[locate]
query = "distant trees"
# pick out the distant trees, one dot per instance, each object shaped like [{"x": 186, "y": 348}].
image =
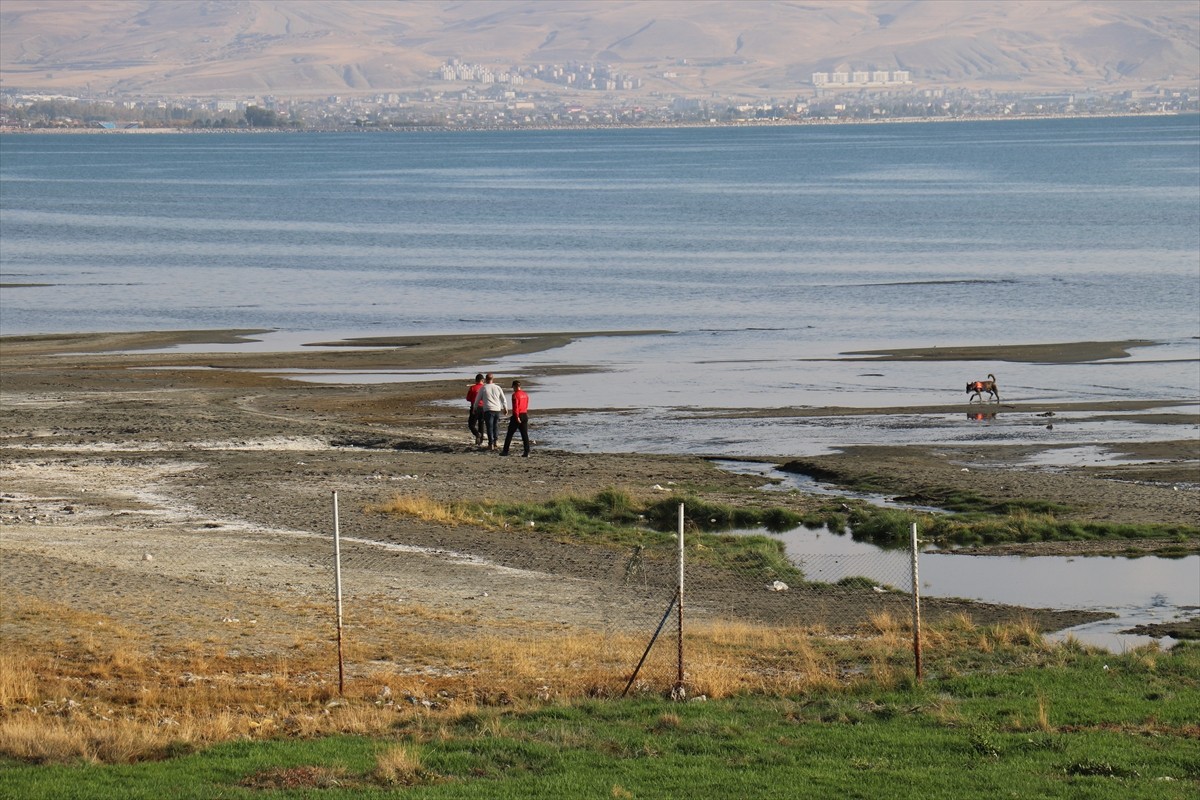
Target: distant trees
[
  {"x": 261, "y": 117},
  {"x": 220, "y": 122},
  {"x": 50, "y": 110},
  {"x": 66, "y": 113}
]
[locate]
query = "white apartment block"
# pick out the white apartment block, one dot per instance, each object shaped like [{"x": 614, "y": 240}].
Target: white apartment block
[{"x": 862, "y": 78}]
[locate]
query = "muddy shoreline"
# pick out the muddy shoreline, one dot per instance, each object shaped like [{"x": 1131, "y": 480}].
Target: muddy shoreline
[{"x": 105, "y": 443}]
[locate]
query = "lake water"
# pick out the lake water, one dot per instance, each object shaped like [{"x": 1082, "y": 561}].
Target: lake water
[
  {"x": 784, "y": 240},
  {"x": 765, "y": 254}
]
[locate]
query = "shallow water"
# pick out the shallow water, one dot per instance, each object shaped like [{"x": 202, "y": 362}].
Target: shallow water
[
  {"x": 1136, "y": 591},
  {"x": 642, "y": 394},
  {"x": 640, "y": 402}
]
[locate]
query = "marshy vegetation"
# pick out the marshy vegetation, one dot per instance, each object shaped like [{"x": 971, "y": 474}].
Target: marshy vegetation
[{"x": 615, "y": 518}]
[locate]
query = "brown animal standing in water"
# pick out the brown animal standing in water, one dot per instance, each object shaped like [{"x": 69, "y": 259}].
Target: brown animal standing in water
[{"x": 977, "y": 388}]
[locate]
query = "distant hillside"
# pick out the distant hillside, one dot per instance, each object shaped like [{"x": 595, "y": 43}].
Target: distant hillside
[{"x": 745, "y": 48}]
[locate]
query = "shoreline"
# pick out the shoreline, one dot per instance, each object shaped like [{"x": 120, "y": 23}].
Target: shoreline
[
  {"x": 770, "y": 123},
  {"x": 114, "y": 363},
  {"x": 102, "y": 449},
  {"x": 149, "y": 350}
]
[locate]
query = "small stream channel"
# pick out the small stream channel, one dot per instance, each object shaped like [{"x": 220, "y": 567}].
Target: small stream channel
[{"x": 1137, "y": 590}]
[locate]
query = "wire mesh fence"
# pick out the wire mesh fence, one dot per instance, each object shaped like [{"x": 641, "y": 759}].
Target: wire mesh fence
[
  {"x": 744, "y": 617},
  {"x": 668, "y": 594}
]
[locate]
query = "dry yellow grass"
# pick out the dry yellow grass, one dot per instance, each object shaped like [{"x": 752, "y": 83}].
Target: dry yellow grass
[
  {"x": 76, "y": 686},
  {"x": 1043, "y": 716},
  {"x": 425, "y": 508},
  {"x": 399, "y": 765},
  {"x": 18, "y": 681},
  {"x": 1024, "y": 633}
]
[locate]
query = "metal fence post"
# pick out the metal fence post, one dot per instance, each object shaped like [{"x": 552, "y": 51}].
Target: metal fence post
[
  {"x": 337, "y": 588},
  {"x": 678, "y": 692},
  {"x": 916, "y": 606}
]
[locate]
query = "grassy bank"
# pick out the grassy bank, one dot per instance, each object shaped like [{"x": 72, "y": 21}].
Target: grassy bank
[
  {"x": 975, "y": 518},
  {"x": 1015, "y": 523},
  {"x": 999, "y": 713},
  {"x": 614, "y": 518}
]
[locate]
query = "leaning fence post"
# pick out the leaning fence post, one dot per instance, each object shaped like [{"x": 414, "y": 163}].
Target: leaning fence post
[
  {"x": 678, "y": 691},
  {"x": 337, "y": 588},
  {"x": 653, "y": 639},
  {"x": 916, "y": 606}
]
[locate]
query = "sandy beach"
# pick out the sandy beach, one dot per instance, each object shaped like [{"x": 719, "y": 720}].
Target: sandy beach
[{"x": 188, "y": 488}]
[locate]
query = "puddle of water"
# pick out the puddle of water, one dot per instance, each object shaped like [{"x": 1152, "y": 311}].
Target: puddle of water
[
  {"x": 341, "y": 376},
  {"x": 781, "y": 481},
  {"x": 362, "y": 377},
  {"x": 1079, "y": 456},
  {"x": 277, "y": 341},
  {"x": 682, "y": 430},
  {"x": 1138, "y": 591}
]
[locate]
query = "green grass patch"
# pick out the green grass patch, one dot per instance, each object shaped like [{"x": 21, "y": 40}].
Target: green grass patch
[
  {"x": 891, "y": 528},
  {"x": 613, "y": 508},
  {"x": 1040, "y": 722},
  {"x": 613, "y": 518},
  {"x": 967, "y": 502}
]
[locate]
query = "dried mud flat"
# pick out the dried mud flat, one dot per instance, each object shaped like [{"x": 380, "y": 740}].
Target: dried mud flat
[{"x": 191, "y": 494}]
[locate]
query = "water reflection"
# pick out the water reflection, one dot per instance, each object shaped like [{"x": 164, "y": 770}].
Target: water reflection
[
  {"x": 981, "y": 416},
  {"x": 1138, "y": 591}
]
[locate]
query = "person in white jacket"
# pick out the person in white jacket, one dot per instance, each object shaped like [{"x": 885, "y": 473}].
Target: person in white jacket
[{"x": 491, "y": 403}]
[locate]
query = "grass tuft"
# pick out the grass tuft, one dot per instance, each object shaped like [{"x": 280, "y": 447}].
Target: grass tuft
[
  {"x": 400, "y": 765},
  {"x": 426, "y": 509}
]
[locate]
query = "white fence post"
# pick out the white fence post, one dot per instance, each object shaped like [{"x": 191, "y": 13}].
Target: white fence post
[
  {"x": 916, "y": 606},
  {"x": 679, "y": 693},
  {"x": 337, "y": 588}
]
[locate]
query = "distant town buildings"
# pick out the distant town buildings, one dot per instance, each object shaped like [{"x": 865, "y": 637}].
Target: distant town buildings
[
  {"x": 492, "y": 104},
  {"x": 898, "y": 77},
  {"x": 598, "y": 77},
  {"x": 477, "y": 73}
]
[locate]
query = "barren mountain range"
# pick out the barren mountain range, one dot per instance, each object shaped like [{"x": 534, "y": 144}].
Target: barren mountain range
[{"x": 735, "y": 48}]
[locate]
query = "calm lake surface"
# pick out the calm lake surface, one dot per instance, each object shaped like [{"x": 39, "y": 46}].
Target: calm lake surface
[
  {"x": 765, "y": 254},
  {"x": 817, "y": 239}
]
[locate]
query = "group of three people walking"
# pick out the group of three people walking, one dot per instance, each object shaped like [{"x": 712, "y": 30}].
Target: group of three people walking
[{"x": 488, "y": 404}]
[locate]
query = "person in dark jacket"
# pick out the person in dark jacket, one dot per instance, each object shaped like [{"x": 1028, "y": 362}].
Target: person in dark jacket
[
  {"x": 474, "y": 417},
  {"x": 519, "y": 421}
]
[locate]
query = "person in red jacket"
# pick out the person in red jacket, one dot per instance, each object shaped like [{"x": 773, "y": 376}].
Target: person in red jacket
[
  {"x": 519, "y": 421},
  {"x": 474, "y": 418}
]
